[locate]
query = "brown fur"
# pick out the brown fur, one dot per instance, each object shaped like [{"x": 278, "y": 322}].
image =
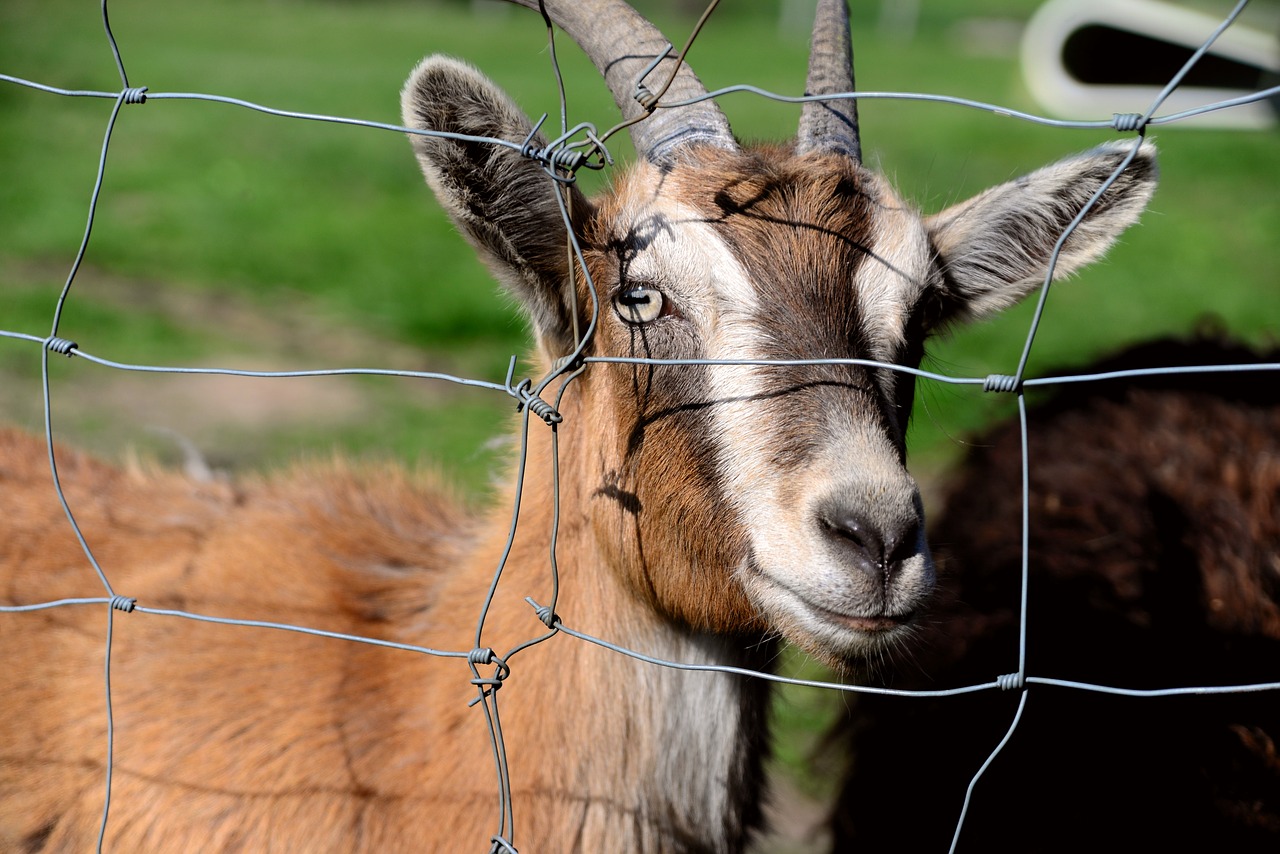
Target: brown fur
[{"x": 285, "y": 737}]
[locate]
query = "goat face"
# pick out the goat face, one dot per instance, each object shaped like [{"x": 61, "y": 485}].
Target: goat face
[
  {"x": 791, "y": 479},
  {"x": 750, "y": 498}
]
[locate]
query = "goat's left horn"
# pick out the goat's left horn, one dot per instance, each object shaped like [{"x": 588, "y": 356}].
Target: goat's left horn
[
  {"x": 621, "y": 44},
  {"x": 830, "y": 125}
]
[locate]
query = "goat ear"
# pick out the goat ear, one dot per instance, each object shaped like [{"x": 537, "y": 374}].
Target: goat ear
[
  {"x": 502, "y": 201},
  {"x": 995, "y": 248}
]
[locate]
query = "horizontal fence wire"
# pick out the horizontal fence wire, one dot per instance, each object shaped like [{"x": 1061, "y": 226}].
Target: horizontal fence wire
[{"x": 573, "y": 149}]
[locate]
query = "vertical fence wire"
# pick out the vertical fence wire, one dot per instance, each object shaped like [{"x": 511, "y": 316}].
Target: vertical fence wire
[{"x": 561, "y": 159}]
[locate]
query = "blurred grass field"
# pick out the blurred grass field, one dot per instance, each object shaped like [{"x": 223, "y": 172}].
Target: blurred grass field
[
  {"x": 328, "y": 233},
  {"x": 230, "y": 238}
]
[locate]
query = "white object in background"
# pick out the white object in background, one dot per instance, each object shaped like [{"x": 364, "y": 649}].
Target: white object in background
[{"x": 1137, "y": 26}]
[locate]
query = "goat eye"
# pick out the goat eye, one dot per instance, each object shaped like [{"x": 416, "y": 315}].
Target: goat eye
[{"x": 639, "y": 305}]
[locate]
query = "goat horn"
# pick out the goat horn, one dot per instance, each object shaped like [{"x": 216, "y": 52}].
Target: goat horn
[
  {"x": 622, "y": 44},
  {"x": 830, "y": 125}
]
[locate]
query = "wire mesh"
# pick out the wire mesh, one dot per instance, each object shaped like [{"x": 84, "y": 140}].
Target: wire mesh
[{"x": 577, "y": 146}]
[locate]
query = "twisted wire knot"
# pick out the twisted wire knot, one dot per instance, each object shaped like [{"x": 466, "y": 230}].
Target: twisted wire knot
[
  {"x": 1127, "y": 122},
  {"x": 1001, "y": 382},
  {"x": 644, "y": 97},
  {"x": 498, "y": 844},
  {"x": 568, "y": 363},
  {"x": 124, "y": 603},
  {"x": 135, "y": 95},
  {"x": 487, "y": 684},
  {"x": 61, "y": 346},
  {"x": 555, "y": 157},
  {"x": 524, "y": 396},
  {"x": 1010, "y": 681},
  {"x": 545, "y": 411},
  {"x": 560, "y": 159},
  {"x": 548, "y": 617}
]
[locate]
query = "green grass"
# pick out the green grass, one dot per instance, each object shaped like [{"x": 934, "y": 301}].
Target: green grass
[
  {"x": 225, "y": 235},
  {"x": 335, "y": 222}
]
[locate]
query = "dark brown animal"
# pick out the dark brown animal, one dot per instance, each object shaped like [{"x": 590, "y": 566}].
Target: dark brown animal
[
  {"x": 1154, "y": 563},
  {"x": 706, "y": 510}
]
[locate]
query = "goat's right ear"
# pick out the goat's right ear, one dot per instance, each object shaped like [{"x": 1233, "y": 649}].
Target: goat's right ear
[
  {"x": 502, "y": 201},
  {"x": 995, "y": 248}
]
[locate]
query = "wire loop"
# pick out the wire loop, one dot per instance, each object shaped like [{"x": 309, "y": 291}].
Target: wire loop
[
  {"x": 561, "y": 158},
  {"x": 501, "y": 846},
  {"x": 525, "y": 396},
  {"x": 487, "y": 684},
  {"x": 1128, "y": 122},
  {"x": 1001, "y": 383},
  {"x": 1011, "y": 681},
  {"x": 548, "y": 617},
  {"x": 644, "y": 95},
  {"x": 61, "y": 346}
]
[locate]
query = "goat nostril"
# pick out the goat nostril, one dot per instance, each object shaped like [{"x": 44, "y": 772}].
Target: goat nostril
[
  {"x": 858, "y": 533},
  {"x": 904, "y": 545},
  {"x": 879, "y": 548}
]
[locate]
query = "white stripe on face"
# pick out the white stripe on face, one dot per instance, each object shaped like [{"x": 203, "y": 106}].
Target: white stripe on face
[
  {"x": 725, "y": 304},
  {"x": 893, "y": 276}
]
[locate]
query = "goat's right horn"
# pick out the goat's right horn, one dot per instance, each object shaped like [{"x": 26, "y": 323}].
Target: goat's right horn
[
  {"x": 622, "y": 44},
  {"x": 830, "y": 125}
]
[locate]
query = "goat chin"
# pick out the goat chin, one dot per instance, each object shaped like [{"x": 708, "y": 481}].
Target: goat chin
[{"x": 844, "y": 633}]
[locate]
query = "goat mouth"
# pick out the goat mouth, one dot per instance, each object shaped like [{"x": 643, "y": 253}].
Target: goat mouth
[
  {"x": 869, "y": 625},
  {"x": 877, "y": 625}
]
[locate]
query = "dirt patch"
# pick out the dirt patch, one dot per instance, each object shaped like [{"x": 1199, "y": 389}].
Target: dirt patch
[
  {"x": 230, "y": 418},
  {"x": 190, "y": 404}
]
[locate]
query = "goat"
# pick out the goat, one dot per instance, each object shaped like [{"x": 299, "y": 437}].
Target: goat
[
  {"x": 706, "y": 510},
  {"x": 1154, "y": 563}
]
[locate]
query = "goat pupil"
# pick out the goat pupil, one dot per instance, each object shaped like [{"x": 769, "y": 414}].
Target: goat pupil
[
  {"x": 639, "y": 305},
  {"x": 635, "y": 298}
]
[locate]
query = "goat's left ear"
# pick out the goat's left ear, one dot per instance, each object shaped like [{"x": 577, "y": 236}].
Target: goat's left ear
[
  {"x": 502, "y": 201},
  {"x": 995, "y": 248}
]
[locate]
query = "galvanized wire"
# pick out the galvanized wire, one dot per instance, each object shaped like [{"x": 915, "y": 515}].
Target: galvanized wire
[{"x": 561, "y": 158}]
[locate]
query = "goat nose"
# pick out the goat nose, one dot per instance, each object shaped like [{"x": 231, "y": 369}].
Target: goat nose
[{"x": 874, "y": 547}]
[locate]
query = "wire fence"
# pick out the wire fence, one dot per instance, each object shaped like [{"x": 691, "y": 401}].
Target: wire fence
[{"x": 577, "y": 146}]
